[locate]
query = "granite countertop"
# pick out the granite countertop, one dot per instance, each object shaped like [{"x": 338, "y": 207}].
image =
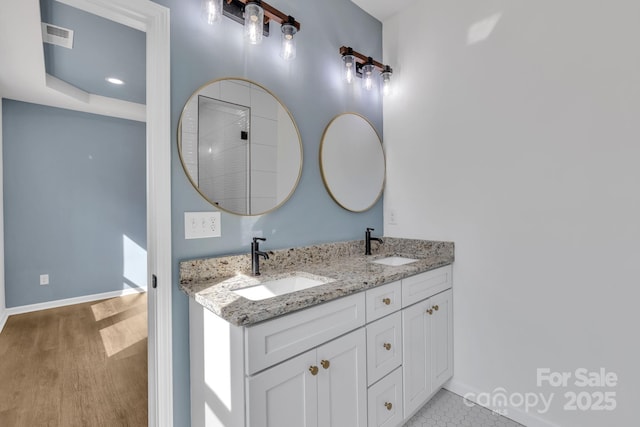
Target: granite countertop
[{"x": 211, "y": 281}]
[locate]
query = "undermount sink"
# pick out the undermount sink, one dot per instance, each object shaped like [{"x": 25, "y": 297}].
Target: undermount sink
[
  {"x": 394, "y": 261},
  {"x": 277, "y": 287}
]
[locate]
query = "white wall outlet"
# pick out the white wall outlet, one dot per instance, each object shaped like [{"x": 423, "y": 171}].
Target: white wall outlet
[
  {"x": 393, "y": 217},
  {"x": 44, "y": 279},
  {"x": 200, "y": 225}
]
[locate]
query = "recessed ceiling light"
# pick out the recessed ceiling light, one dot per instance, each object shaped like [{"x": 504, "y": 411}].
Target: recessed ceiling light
[{"x": 114, "y": 81}]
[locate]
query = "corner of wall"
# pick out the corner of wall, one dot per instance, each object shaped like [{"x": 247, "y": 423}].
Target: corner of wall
[{"x": 3, "y": 309}]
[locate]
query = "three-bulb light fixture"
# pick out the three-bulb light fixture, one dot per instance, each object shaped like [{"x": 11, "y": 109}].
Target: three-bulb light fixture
[
  {"x": 255, "y": 16},
  {"x": 359, "y": 65}
]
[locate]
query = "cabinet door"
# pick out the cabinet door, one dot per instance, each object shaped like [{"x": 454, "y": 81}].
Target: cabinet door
[
  {"x": 284, "y": 395},
  {"x": 441, "y": 339},
  {"x": 416, "y": 375},
  {"x": 342, "y": 382}
]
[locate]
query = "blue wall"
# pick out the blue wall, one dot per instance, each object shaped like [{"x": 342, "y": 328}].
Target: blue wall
[
  {"x": 311, "y": 87},
  {"x": 74, "y": 202}
]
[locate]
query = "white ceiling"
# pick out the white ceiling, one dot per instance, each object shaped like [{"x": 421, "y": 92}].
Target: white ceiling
[
  {"x": 382, "y": 9},
  {"x": 22, "y": 68}
]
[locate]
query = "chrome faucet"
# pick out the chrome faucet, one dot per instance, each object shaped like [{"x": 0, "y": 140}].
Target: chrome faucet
[
  {"x": 368, "y": 239},
  {"x": 256, "y": 253}
]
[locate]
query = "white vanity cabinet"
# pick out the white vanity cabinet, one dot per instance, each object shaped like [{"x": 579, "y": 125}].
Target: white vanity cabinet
[
  {"x": 307, "y": 368},
  {"x": 427, "y": 349},
  {"x": 325, "y": 387},
  {"x": 371, "y": 359}
]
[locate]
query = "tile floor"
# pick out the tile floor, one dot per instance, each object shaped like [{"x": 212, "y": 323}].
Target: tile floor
[{"x": 447, "y": 409}]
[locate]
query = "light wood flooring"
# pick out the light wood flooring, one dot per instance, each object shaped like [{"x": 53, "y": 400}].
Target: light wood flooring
[{"x": 81, "y": 365}]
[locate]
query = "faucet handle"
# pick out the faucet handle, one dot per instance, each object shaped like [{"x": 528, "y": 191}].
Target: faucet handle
[
  {"x": 370, "y": 229},
  {"x": 255, "y": 239}
]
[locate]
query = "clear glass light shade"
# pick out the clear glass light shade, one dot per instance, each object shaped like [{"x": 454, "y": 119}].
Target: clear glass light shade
[
  {"x": 386, "y": 82},
  {"x": 253, "y": 23},
  {"x": 367, "y": 76},
  {"x": 211, "y": 11},
  {"x": 288, "y": 49},
  {"x": 349, "y": 67}
]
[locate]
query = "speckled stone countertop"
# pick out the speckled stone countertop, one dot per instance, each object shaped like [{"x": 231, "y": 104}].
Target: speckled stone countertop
[{"x": 211, "y": 281}]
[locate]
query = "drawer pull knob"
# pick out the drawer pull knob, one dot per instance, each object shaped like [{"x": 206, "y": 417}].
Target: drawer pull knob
[
  {"x": 325, "y": 364},
  {"x": 313, "y": 370},
  {"x": 430, "y": 311},
  {"x": 387, "y": 346},
  {"x": 388, "y": 405},
  {"x": 436, "y": 308},
  {"x": 386, "y": 301}
]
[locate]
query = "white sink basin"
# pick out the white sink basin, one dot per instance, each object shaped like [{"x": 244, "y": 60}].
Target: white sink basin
[
  {"x": 394, "y": 261},
  {"x": 274, "y": 288}
]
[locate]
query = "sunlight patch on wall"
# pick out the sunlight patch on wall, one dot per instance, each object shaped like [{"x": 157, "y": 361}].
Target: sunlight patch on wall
[
  {"x": 481, "y": 30},
  {"x": 134, "y": 263}
]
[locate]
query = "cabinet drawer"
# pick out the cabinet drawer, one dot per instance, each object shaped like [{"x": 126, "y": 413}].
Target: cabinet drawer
[
  {"x": 425, "y": 285},
  {"x": 384, "y": 346},
  {"x": 385, "y": 401},
  {"x": 383, "y": 300},
  {"x": 276, "y": 340}
]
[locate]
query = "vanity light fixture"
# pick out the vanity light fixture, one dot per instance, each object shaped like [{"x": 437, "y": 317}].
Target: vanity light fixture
[
  {"x": 349, "y": 65},
  {"x": 288, "y": 49},
  {"x": 359, "y": 65},
  {"x": 385, "y": 75},
  {"x": 211, "y": 11},
  {"x": 255, "y": 15},
  {"x": 253, "y": 22},
  {"x": 367, "y": 74}
]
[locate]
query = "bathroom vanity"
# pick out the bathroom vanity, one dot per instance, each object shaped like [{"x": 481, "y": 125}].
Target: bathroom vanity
[{"x": 346, "y": 340}]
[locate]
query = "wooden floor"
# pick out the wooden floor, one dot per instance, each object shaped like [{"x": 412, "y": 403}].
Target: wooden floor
[{"x": 82, "y": 365}]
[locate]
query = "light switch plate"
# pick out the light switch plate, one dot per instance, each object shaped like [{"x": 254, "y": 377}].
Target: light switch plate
[
  {"x": 200, "y": 225},
  {"x": 393, "y": 217}
]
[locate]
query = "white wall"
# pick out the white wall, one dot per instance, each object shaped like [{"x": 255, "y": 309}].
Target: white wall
[
  {"x": 3, "y": 315},
  {"x": 521, "y": 143}
]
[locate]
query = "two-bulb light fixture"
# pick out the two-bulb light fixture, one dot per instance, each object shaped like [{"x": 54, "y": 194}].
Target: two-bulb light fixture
[
  {"x": 358, "y": 65},
  {"x": 255, "y": 15}
]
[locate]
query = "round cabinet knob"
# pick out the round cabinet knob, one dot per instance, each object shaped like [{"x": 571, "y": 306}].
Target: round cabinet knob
[
  {"x": 436, "y": 308},
  {"x": 387, "y": 346},
  {"x": 325, "y": 364},
  {"x": 386, "y": 301},
  {"x": 388, "y": 405},
  {"x": 430, "y": 311},
  {"x": 313, "y": 370}
]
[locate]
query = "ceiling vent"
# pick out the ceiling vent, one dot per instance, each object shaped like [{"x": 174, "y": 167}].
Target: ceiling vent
[{"x": 58, "y": 36}]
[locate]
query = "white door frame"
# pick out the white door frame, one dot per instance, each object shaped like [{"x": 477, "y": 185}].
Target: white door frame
[{"x": 152, "y": 18}]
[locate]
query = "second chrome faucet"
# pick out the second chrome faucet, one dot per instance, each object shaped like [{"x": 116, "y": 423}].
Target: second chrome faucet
[{"x": 256, "y": 253}]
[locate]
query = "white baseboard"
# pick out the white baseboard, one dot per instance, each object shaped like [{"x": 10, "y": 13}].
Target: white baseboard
[
  {"x": 3, "y": 318},
  {"x": 525, "y": 418},
  {"x": 70, "y": 301}
]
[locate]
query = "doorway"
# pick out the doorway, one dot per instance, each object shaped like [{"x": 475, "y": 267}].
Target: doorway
[{"x": 153, "y": 19}]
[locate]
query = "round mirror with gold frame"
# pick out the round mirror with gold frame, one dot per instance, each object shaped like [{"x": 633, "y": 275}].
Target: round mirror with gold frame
[
  {"x": 240, "y": 146},
  {"x": 352, "y": 162}
]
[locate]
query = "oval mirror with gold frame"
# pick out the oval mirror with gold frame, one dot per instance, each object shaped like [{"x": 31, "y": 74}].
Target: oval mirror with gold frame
[
  {"x": 352, "y": 162},
  {"x": 240, "y": 146}
]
